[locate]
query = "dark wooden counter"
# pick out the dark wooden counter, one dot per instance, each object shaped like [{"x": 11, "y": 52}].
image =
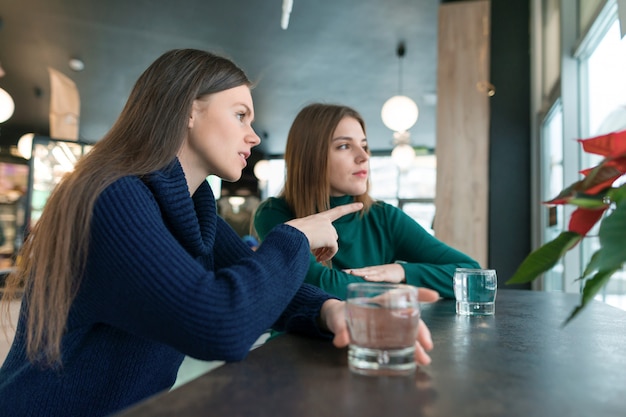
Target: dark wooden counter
[{"x": 520, "y": 362}]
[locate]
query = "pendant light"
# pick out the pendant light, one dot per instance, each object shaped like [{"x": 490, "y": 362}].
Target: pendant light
[
  {"x": 262, "y": 170},
  {"x": 25, "y": 145},
  {"x": 399, "y": 114},
  {"x": 7, "y": 106}
]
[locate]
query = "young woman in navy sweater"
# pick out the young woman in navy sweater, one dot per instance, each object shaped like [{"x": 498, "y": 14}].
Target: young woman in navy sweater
[{"x": 129, "y": 268}]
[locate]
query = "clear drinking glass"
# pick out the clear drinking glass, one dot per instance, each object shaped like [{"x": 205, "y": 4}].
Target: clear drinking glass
[
  {"x": 383, "y": 321},
  {"x": 475, "y": 291}
]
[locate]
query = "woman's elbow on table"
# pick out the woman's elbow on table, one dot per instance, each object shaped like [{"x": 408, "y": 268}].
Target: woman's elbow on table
[{"x": 231, "y": 348}]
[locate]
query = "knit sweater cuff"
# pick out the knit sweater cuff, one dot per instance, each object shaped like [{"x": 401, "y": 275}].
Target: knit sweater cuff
[{"x": 302, "y": 314}]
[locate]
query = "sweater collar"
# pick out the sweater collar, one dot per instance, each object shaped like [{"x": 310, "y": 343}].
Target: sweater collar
[
  {"x": 340, "y": 201},
  {"x": 192, "y": 220}
]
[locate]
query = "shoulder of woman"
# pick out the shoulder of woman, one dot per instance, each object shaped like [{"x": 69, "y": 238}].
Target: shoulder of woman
[
  {"x": 273, "y": 203},
  {"x": 380, "y": 206},
  {"x": 128, "y": 182},
  {"x": 382, "y": 210},
  {"x": 127, "y": 188}
]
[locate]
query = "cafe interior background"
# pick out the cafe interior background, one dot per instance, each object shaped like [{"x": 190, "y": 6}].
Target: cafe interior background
[{"x": 545, "y": 72}]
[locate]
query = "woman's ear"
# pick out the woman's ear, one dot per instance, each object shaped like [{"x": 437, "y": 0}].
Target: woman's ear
[
  {"x": 191, "y": 120},
  {"x": 192, "y": 116}
]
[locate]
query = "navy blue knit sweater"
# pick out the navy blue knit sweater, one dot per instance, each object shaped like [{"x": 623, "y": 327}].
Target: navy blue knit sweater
[{"x": 165, "y": 277}]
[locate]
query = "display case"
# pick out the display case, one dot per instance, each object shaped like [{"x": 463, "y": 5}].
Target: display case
[
  {"x": 13, "y": 189},
  {"x": 50, "y": 160}
]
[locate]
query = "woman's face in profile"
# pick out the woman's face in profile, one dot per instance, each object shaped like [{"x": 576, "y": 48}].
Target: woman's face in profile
[
  {"x": 348, "y": 159},
  {"x": 220, "y": 136}
]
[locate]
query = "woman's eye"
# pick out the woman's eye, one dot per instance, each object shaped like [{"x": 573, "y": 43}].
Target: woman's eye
[
  {"x": 343, "y": 146},
  {"x": 241, "y": 116}
]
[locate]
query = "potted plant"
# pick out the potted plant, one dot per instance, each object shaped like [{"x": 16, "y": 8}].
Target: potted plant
[{"x": 600, "y": 196}]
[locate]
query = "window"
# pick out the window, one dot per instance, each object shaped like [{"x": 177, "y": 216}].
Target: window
[
  {"x": 552, "y": 169},
  {"x": 603, "y": 66},
  {"x": 412, "y": 190},
  {"x": 588, "y": 99}
]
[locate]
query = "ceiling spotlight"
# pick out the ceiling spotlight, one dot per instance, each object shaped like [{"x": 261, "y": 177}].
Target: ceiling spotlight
[
  {"x": 287, "y": 7},
  {"x": 77, "y": 64}
]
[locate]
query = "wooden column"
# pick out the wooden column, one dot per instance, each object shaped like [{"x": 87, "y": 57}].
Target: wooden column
[{"x": 462, "y": 146}]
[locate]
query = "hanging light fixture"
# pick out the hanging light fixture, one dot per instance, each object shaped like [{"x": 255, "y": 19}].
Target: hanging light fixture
[
  {"x": 403, "y": 154},
  {"x": 262, "y": 170},
  {"x": 399, "y": 114},
  {"x": 7, "y": 106},
  {"x": 236, "y": 202},
  {"x": 25, "y": 145}
]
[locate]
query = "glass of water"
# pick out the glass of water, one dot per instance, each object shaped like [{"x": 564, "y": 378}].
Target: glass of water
[
  {"x": 383, "y": 321},
  {"x": 475, "y": 291}
]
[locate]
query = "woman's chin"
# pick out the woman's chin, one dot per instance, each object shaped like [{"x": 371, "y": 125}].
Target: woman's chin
[{"x": 231, "y": 178}]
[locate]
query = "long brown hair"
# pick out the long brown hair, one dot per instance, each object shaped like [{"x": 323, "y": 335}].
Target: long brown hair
[
  {"x": 307, "y": 183},
  {"x": 146, "y": 137}
]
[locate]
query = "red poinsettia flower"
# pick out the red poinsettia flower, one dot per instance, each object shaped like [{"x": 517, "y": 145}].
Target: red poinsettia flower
[
  {"x": 618, "y": 163},
  {"x": 593, "y": 196},
  {"x": 599, "y": 178},
  {"x": 602, "y": 176},
  {"x": 583, "y": 219},
  {"x": 610, "y": 145}
]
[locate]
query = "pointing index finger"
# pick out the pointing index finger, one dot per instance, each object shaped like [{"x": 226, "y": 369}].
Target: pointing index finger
[{"x": 340, "y": 211}]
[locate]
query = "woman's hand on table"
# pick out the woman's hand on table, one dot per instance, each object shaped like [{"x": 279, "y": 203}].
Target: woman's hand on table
[
  {"x": 333, "y": 317},
  {"x": 393, "y": 273}
]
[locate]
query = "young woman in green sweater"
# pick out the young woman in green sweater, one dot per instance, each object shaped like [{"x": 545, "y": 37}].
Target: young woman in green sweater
[{"x": 327, "y": 162}]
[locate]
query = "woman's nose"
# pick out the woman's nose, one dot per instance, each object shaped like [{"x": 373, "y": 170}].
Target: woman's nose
[
  {"x": 362, "y": 155},
  {"x": 253, "y": 138}
]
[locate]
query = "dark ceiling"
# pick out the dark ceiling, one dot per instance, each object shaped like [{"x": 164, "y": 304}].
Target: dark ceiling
[{"x": 341, "y": 51}]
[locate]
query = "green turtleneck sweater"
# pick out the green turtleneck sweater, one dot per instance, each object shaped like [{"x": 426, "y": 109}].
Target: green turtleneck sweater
[{"x": 383, "y": 235}]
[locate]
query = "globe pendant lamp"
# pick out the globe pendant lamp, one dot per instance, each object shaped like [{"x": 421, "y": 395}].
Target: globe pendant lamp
[
  {"x": 6, "y": 106},
  {"x": 25, "y": 145},
  {"x": 399, "y": 114}
]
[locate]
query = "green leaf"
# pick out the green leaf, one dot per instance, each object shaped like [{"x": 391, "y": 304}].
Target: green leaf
[
  {"x": 617, "y": 194},
  {"x": 613, "y": 239},
  {"x": 544, "y": 258},
  {"x": 565, "y": 195},
  {"x": 595, "y": 201},
  {"x": 593, "y": 265},
  {"x": 592, "y": 286}
]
